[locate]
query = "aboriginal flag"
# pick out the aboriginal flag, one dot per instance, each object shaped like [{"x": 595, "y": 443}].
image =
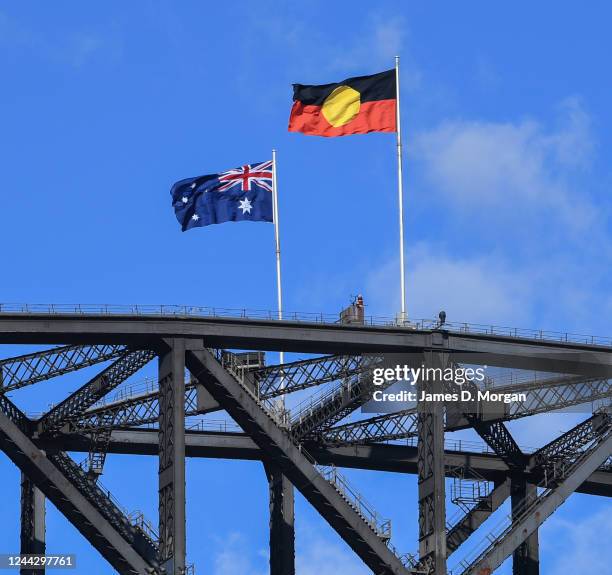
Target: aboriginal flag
[{"x": 354, "y": 106}]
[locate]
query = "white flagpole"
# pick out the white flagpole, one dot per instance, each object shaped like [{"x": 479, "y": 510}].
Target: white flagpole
[
  {"x": 279, "y": 290},
  {"x": 400, "y": 191}
]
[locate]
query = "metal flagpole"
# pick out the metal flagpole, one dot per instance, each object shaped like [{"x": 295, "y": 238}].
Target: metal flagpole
[
  {"x": 279, "y": 290},
  {"x": 400, "y": 191}
]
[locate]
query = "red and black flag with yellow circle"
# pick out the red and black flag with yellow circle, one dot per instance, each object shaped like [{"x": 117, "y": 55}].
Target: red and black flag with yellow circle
[{"x": 354, "y": 106}]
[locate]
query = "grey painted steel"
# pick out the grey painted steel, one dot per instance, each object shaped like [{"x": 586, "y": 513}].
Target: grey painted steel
[
  {"x": 136, "y": 410},
  {"x": 500, "y": 440},
  {"x": 282, "y": 522},
  {"x": 526, "y": 557},
  {"x": 387, "y": 427},
  {"x": 96, "y": 337},
  {"x": 559, "y": 357},
  {"x": 69, "y": 500},
  {"x": 99, "y": 440},
  {"x": 547, "y": 395},
  {"x": 23, "y": 370},
  {"x": 335, "y": 405},
  {"x": 540, "y": 510},
  {"x": 172, "y": 531},
  {"x": 375, "y": 457},
  {"x": 567, "y": 446},
  {"x": 542, "y": 397},
  {"x": 74, "y": 405},
  {"x": 278, "y": 446},
  {"x": 475, "y": 517},
  {"x": 32, "y": 523},
  {"x": 276, "y": 380},
  {"x": 431, "y": 476},
  {"x": 299, "y": 375}
]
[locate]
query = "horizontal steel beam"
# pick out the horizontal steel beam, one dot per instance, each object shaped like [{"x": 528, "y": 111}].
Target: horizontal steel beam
[
  {"x": 375, "y": 457},
  {"x": 559, "y": 357}
]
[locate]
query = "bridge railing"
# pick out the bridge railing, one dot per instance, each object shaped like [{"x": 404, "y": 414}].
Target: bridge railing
[{"x": 183, "y": 311}]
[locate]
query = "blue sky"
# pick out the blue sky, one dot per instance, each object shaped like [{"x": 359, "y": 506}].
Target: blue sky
[{"x": 507, "y": 127}]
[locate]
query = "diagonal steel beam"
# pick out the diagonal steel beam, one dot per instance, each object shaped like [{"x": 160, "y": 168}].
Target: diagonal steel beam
[
  {"x": 333, "y": 406},
  {"x": 545, "y": 396},
  {"x": 499, "y": 439},
  {"x": 74, "y": 405},
  {"x": 568, "y": 446},
  {"x": 31, "y": 368},
  {"x": 276, "y": 380},
  {"x": 542, "y": 397},
  {"x": 494, "y": 433},
  {"x": 468, "y": 523},
  {"x": 559, "y": 451},
  {"x": 62, "y": 482},
  {"x": 388, "y": 427},
  {"x": 133, "y": 411},
  {"x": 143, "y": 408},
  {"x": 538, "y": 508},
  {"x": 244, "y": 408}
]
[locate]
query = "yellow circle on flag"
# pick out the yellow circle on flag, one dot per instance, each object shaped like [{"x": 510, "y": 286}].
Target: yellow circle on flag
[{"x": 341, "y": 106}]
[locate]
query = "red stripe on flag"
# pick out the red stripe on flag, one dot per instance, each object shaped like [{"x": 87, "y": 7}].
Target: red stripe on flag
[{"x": 374, "y": 116}]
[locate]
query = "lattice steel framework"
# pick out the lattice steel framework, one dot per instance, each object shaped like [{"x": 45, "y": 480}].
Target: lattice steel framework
[{"x": 82, "y": 422}]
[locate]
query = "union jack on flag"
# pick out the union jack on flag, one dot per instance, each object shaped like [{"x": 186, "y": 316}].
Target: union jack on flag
[
  {"x": 241, "y": 194},
  {"x": 258, "y": 174}
]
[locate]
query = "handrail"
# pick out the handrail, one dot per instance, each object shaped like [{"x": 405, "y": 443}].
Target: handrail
[
  {"x": 548, "y": 484},
  {"x": 380, "y": 525},
  {"x": 184, "y": 311}
]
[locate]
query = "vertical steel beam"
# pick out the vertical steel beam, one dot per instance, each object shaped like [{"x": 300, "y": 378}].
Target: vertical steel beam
[
  {"x": 525, "y": 558},
  {"x": 172, "y": 538},
  {"x": 282, "y": 531},
  {"x": 32, "y": 523},
  {"x": 432, "y": 512}
]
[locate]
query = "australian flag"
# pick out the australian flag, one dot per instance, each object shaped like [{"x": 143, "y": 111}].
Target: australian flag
[{"x": 241, "y": 194}]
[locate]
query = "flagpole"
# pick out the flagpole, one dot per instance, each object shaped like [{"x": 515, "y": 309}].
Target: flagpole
[
  {"x": 400, "y": 191},
  {"x": 279, "y": 290}
]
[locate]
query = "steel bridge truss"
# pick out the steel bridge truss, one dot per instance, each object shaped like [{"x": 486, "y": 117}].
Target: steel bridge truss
[{"x": 302, "y": 449}]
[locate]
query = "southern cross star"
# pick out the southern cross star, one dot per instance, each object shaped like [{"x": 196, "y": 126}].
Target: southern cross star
[
  {"x": 245, "y": 206},
  {"x": 185, "y": 199},
  {"x": 195, "y": 217}
]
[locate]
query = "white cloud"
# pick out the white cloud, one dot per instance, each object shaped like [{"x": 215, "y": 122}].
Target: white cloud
[
  {"x": 315, "y": 555},
  {"x": 236, "y": 558},
  {"x": 573, "y": 141},
  {"x": 380, "y": 37},
  {"x": 578, "y": 542},
  {"x": 378, "y": 46},
  {"x": 489, "y": 165},
  {"x": 535, "y": 240},
  {"x": 375, "y": 50},
  {"x": 318, "y": 555},
  {"x": 479, "y": 289}
]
